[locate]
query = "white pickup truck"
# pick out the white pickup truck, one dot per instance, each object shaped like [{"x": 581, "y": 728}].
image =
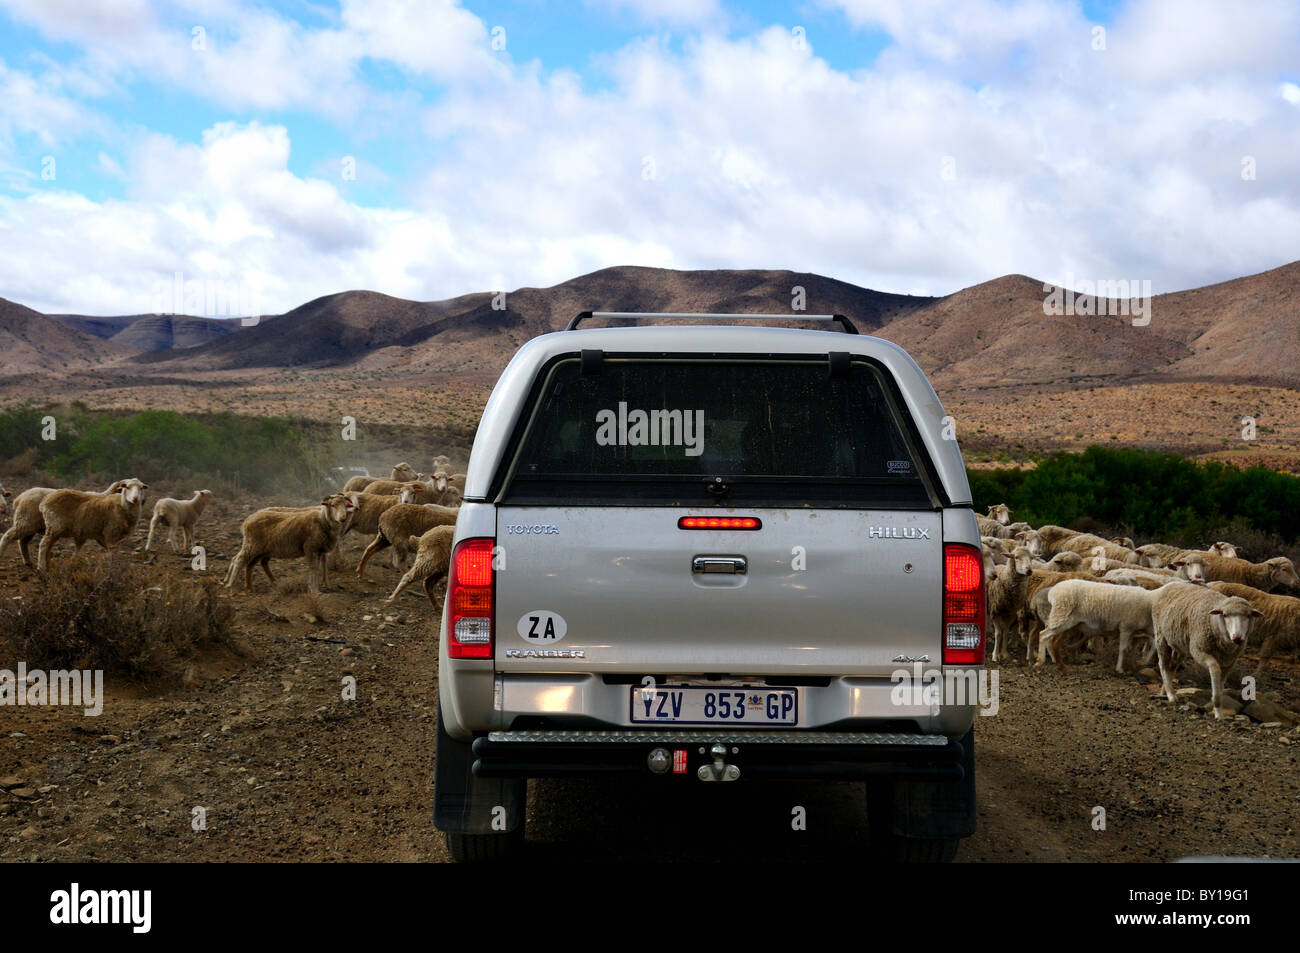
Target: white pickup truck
[{"x": 710, "y": 554}]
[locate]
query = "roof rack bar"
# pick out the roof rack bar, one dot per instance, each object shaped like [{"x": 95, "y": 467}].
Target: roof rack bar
[{"x": 846, "y": 324}]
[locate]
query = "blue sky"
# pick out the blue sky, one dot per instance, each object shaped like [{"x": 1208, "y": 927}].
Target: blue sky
[{"x": 910, "y": 145}]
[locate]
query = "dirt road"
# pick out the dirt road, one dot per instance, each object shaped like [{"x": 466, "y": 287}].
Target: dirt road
[{"x": 284, "y": 768}]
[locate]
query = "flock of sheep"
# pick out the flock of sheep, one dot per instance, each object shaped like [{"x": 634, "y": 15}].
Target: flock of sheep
[
  {"x": 411, "y": 512},
  {"x": 1043, "y": 583},
  {"x": 1048, "y": 583}
]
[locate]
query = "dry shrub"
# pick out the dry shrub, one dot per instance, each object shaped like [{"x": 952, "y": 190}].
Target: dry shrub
[{"x": 117, "y": 616}]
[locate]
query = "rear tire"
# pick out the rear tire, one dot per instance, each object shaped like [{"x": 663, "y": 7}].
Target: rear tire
[
  {"x": 938, "y": 809},
  {"x": 485, "y": 848}
]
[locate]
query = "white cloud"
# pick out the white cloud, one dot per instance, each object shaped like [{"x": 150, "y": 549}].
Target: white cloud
[{"x": 735, "y": 152}]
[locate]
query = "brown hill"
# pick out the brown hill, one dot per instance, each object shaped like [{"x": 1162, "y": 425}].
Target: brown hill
[
  {"x": 31, "y": 341},
  {"x": 151, "y": 332}
]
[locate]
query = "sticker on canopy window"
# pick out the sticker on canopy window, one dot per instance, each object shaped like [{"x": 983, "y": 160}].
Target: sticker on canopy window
[
  {"x": 899, "y": 466},
  {"x": 542, "y": 627}
]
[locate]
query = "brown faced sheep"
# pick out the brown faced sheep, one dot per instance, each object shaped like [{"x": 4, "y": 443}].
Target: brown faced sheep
[
  {"x": 106, "y": 518},
  {"x": 309, "y": 533},
  {"x": 1202, "y": 623},
  {"x": 180, "y": 517},
  {"x": 398, "y": 525},
  {"x": 433, "y": 556}
]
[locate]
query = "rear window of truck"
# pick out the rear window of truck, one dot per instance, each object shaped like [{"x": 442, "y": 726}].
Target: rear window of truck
[{"x": 663, "y": 431}]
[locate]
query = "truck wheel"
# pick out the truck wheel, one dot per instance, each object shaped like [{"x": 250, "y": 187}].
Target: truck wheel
[
  {"x": 923, "y": 822},
  {"x": 484, "y": 848}
]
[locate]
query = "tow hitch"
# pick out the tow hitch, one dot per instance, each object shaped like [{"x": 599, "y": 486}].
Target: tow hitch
[{"x": 719, "y": 770}]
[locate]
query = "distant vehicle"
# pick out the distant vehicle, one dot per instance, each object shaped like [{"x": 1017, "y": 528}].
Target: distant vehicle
[
  {"x": 723, "y": 544},
  {"x": 339, "y": 476}
]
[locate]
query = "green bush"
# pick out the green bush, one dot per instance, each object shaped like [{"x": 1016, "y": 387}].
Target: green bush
[{"x": 1153, "y": 495}]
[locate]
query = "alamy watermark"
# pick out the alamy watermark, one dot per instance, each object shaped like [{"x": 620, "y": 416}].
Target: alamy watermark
[
  {"x": 947, "y": 686},
  {"x": 207, "y": 297},
  {"x": 76, "y": 688},
  {"x": 651, "y": 428},
  {"x": 1114, "y": 297}
]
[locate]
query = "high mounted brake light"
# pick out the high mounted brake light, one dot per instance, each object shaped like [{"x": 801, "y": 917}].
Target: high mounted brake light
[
  {"x": 719, "y": 522},
  {"x": 470, "y": 598},
  {"x": 963, "y": 605}
]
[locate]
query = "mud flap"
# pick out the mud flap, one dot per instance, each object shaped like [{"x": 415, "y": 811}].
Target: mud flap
[
  {"x": 465, "y": 804},
  {"x": 943, "y": 809}
]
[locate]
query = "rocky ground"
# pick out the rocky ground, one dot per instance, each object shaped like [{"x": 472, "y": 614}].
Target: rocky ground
[{"x": 285, "y": 768}]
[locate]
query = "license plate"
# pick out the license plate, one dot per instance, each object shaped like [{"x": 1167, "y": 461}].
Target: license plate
[{"x": 697, "y": 705}]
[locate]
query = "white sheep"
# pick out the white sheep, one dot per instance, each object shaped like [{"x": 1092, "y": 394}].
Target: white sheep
[
  {"x": 1061, "y": 562},
  {"x": 432, "y": 558},
  {"x": 180, "y": 517},
  {"x": 1000, "y": 513},
  {"x": 105, "y": 518},
  {"x": 1096, "y": 608},
  {"x": 1160, "y": 555},
  {"x": 1005, "y": 596},
  {"x": 402, "y": 522},
  {"x": 1053, "y": 536},
  {"x": 1278, "y": 628},
  {"x": 283, "y": 533},
  {"x": 1207, "y": 625}
]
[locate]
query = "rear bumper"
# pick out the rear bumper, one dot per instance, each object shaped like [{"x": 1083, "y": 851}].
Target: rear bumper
[{"x": 796, "y": 754}]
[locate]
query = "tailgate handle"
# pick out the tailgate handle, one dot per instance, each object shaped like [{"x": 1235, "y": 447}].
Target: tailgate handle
[{"x": 731, "y": 564}]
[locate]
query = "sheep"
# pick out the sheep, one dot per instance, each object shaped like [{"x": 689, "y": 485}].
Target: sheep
[
  {"x": 1005, "y": 595},
  {"x": 368, "y": 507},
  {"x": 1125, "y": 541},
  {"x": 1040, "y": 579},
  {"x": 1086, "y": 544},
  {"x": 1159, "y": 555},
  {"x": 1137, "y": 576},
  {"x": 1031, "y": 540},
  {"x": 178, "y": 515},
  {"x": 402, "y": 473},
  {"x": 28, "y": 521},
  {"x": 1278, "y": 571},
  {"x": 1061, "y": 562},
  {"x": 1202, "y": 623},
  {"x": 1052, "y": 536},
  {"x": 1190, "y": 568},
  {"x": 1096, "y": 607},
  {"x": 990, "y": 527},
  {"x": 1278, "y": 627},
  {"x": 432, "y": 558},
  {"x": 106, "y": 518},
  {"x": 401, "y": 522},
  {"x": 440, "y": 462},
  {"x": 458, "y": 481},
  {"x": 1000, "y": 513},
  {"x": 284, "y": 533},
  {"x": 5, "y": 496}
]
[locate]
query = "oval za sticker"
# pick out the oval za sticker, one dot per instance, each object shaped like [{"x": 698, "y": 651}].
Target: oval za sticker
[{"x": 542, "y": 627}]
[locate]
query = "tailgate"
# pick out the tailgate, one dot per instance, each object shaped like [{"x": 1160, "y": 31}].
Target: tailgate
[{"x": 623, "y": 589}]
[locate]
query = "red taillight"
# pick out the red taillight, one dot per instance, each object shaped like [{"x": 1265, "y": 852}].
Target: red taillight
[
  {"x": 719, "y": 522},
  {"x": 469, "y": 596},
  {"x": 963, "y": 605}
]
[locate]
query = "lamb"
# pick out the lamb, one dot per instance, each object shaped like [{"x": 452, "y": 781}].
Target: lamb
[
  {"x": 106, "y": 518},
  {"x": 28, "y": 521},
  {"x": 991, "y": 527},
  {"x": 432, "y": 559},
  {"x": 1278, "y": 627},
  {"x": 309, "y": 532},
  {"x": 1005, "y": 596},
  {"x": 1202, "y": 623},
  {"x": 1278, "y": 571},
  {"x": 178, "y": 515},
  {"x": 1098, "y": 608},
  {"x": 398, "y": 524}
]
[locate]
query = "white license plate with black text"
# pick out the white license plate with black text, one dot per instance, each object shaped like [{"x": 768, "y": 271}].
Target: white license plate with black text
[{"x": 700, "y": 705}]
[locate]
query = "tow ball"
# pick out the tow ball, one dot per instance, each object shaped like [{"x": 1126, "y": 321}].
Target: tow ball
[{"x": 719, "y": 770}]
